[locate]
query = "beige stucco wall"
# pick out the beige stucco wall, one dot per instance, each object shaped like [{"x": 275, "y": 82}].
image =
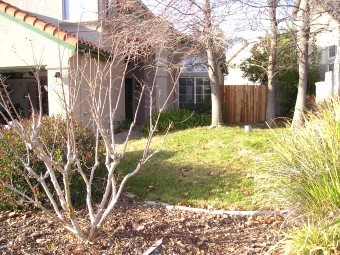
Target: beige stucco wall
[
  {"x": 90, "y": 77},
  {"x": 22, "y": 47}
]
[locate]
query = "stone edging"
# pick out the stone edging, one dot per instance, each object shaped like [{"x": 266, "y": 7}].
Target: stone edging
[{"x": 216, "y": 212}]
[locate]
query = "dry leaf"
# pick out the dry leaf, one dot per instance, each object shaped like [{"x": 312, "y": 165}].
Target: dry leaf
[{"x": 78, "y": 250}]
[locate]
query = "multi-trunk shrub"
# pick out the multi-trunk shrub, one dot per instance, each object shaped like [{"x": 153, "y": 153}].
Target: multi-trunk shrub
[{"x": 53, "y": 136}]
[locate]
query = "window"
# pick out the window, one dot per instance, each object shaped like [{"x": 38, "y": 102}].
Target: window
[
  {"x": 194, "y": 90},
  {"x": 330, "y": 67},
  {"x": 195, "y": 64},
  {"x": 80, "y": 10},
  {"x": 331, "y": 51}
]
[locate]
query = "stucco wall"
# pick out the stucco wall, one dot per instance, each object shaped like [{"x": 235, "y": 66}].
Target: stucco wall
[
  {"x": 87, "y": 75},
  {"x": 21, "y": 46},
  {"x": 327, "y": 31}
]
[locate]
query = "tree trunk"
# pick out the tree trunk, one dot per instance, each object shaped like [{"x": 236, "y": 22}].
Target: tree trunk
[
  {"x": 303, "y": 64},
  {"x": 271, "y": 101},
  {"x": 216, "y": 111}
]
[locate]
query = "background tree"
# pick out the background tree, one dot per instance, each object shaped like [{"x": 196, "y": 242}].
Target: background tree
[
  {"x": 199, "y": 21},
  {"x": 271, "y": 103},
  {"x": 302, "y": 51},
  {"x": 287, "y": 76}
]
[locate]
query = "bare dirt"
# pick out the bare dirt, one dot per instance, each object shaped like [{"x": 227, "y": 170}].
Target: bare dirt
[{"x": 134, "y": 227}]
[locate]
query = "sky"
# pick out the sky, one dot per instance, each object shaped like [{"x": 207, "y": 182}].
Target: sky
[{"x": 241, "y": 21}]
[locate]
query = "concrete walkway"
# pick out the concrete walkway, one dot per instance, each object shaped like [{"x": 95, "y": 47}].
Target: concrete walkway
[{"x": 135, "y": 134}]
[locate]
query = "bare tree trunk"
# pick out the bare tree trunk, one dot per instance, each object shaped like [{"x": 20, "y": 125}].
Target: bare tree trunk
[
  {"x": 303, "y": 63},
  {"x": 216, "y": 111},
  {"x": 271, "y": 101}
]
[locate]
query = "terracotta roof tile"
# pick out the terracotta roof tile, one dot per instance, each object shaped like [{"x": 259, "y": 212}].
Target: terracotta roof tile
[{"x": 44, "y": 26}]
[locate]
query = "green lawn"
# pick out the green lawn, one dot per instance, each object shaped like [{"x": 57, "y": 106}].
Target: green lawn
[{"x": 201, "y": 167}]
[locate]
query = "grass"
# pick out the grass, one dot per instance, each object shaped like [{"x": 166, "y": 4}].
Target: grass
[
  {"x": 304, "y": 174},
  {"x": 201, "y": 167},
  {"x": 306, "y": 164},
  {"x": 312, "y": 239}
]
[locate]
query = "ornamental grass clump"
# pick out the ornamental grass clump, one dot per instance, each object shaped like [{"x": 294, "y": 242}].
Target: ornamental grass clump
[
  {"x": 307, "y": 163},
  {"x": 305, "y": 169}
]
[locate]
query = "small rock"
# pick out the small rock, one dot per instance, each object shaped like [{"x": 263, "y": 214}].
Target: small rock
[
  {"x": 40, "y": 240},
  {"x": 151, "y": 203},
  {"x": 12, "y": 214},
  {"x": 130, "y": 195}
]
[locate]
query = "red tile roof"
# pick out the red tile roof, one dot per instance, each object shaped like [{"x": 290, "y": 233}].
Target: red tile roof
[{"x": 45, "y": 27}]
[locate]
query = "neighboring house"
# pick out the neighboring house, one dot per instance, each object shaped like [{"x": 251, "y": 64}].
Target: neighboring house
[
  {"x": 326, "y": 25},
  {"x": 236, "y": 55},
  {"x": 52, "y": 34}
]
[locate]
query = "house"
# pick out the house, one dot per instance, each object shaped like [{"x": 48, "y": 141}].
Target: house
[
  {"x": 66, "y": 44},
  {"x": 326, "y": 27},
  {"x": 235, "y": 56}
]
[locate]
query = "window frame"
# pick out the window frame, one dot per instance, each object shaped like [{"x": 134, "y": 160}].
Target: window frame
[
  {"x": 69, "y": 9},
  {"x": 194, "y": 78}
]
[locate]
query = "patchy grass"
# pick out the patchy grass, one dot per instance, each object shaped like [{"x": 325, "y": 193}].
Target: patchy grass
[{"x": 201, "y": 167}]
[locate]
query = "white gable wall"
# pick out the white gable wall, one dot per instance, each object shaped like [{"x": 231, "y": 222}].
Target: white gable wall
[{"x": 22, "y": 47}]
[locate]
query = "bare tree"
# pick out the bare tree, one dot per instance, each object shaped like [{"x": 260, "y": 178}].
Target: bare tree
[
  {"x": 271, "y": 103},
  {"x": 96, "y": 81},
  {"x": 216, "y": 112},
  {"x": 199, "y": 22}
]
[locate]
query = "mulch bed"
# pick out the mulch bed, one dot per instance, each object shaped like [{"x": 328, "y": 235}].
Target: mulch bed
[{"x": 134, "y": 227}]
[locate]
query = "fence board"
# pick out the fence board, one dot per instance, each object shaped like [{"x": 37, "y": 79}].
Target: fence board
[{"x": 244, "y": 103}]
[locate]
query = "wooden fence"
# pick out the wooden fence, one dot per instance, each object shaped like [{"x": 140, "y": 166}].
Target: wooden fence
[{"x": 244, "y": 103}]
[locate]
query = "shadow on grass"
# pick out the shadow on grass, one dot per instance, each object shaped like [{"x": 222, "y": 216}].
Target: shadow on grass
[{"x": 187, "y": 183}]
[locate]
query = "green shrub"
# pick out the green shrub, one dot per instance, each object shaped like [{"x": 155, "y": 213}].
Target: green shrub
[
  {"x": 179, "y": 119},
  {"x": 199, "y": 108},
  {"x": 53, "y": 136}
]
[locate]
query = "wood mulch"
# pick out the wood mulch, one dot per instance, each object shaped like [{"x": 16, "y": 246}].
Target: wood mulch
[{"x": 134, "y": 227}]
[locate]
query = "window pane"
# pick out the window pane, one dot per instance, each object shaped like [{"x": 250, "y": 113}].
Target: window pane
[
  {"x": 190, "y": 98},
  {"x": 207, "y": 98},
  {"x": 206, "y": 81},
  {"x": 189, "y": 90},
  {"x": 331, "y": 67},
  {"x": 182, "y": 82},
  {"x": 331, "y": 51},
  {"x": 207, "y": 90},
  {"x": 190, "y": 82},
  {"x": 199, "y": 98},
  {"x": 181, "y": 99},
  {"x": 199, "y": 89},
  {"x": 182, "y": 90},
  {"x": 199, "y": 81},
  {"x": 80, "y": 10}
]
